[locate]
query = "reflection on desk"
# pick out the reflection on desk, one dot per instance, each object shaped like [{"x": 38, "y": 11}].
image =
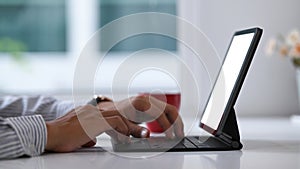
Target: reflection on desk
[
  {"x": 256, "y": 154},
  {"x": 230, "y": 160},
  {"x": 276, "y": 147}
]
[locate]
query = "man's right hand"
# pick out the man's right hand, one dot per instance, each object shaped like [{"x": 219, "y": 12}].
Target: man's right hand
[{"x": 145, "y": 108}]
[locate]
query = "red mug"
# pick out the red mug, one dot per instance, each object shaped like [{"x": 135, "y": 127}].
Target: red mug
[{"x": 170, "y": 98}]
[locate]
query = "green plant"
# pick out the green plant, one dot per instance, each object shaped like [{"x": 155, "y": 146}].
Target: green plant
[{"x": 14, "y": 48}]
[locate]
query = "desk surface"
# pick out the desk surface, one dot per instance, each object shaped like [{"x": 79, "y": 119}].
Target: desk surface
[{"x": 268, "y": 143}]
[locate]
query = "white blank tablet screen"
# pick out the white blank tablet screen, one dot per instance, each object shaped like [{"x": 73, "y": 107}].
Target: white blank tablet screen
[{"x": 226, "y": 80}]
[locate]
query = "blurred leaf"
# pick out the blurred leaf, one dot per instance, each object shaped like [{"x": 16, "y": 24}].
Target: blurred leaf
[{"x": 14, "y": 48}]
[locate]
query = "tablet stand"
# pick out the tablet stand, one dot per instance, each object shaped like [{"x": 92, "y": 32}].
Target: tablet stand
[{"x": 230, "y": 131}]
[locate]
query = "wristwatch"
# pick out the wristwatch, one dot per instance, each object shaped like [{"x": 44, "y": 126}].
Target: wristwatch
[{"x": 98, "y": 99}]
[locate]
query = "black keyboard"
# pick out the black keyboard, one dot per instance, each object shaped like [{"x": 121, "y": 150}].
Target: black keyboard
[
  {"x": 164, "y": 144},
  {"x": 192, "y": 142}
]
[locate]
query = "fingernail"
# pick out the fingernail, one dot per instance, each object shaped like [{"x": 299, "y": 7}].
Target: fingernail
[{"x": 145, "y": 133}]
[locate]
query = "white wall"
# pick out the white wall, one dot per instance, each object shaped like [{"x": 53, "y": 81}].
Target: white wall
[{"x": 270, "y": 87}]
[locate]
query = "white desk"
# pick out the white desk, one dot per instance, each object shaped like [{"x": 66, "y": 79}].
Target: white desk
[{"x": 268, "y": 143}]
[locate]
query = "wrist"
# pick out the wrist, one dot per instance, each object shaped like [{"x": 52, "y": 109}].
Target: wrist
[{"x": 51, "y": 135}]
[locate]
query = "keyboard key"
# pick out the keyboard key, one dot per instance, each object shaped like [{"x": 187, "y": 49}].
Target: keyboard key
[
  {"x": 196, "y": 142},
  {"x": 179, "y": 146},
  {"x": 164, "y": 143},
  {"x": 187, "y": 143}
]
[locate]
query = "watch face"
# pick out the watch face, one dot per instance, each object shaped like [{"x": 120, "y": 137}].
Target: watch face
[
  {"x": 101, "y": 98},
  {"x": 98, "y": 99}
]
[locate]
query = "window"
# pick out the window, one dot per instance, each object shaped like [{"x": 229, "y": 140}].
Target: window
[
  {"x": 114, "y": 9},
  {"x": 33, "y": 25},
  {"x": 53, "y": 32}
]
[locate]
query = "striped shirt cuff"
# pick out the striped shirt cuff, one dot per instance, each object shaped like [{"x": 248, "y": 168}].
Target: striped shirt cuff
[{"x": 32, "y": 133}]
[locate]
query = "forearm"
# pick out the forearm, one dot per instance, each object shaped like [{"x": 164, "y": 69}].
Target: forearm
[
  {"x": 49, "y": 107},
  {"x": 20, "y": 136}
]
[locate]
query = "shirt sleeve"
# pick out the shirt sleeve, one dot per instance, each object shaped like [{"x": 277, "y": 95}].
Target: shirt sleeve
[
  {"x": 22, "y": 123},
  {"x": 25, "y": 135},
  {"x": 48, "y": 107}
]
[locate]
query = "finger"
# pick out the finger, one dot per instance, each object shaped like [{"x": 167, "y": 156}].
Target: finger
[
  {"x": 120, "y": 130},
  {"x": 109, "y": 113},
  {"x": 117, "y": 123},
  {"x": 175, "y": 119},
  {"x": 137, "y": 131},
  {"x": 90, "y": 143},
  {"x": 165, "y": 125},
  {"x": 134, "y": 129},
  {"x": 158, "y": 108},
  {"x": 178, "y": 127},
  {"x": 112, "y": 113}
]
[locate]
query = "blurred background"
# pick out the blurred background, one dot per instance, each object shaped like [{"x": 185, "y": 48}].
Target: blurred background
[{"x": 40, "y": 42}]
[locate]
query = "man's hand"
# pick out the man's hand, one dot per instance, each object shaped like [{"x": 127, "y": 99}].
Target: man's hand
[
  {"x": 81, "y": 126},
  {"x": 147, "y": 108}
]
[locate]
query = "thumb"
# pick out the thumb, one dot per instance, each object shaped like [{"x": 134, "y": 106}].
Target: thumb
[
  {"x": 90, "y": 143},
  {"x": 138, "y": 131}
]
